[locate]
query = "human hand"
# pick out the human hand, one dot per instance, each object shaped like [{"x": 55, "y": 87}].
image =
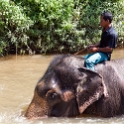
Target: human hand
[{"x": 93, "y": 49}]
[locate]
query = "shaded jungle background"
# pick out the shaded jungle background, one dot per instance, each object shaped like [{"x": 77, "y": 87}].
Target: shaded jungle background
[{"x": 54, "y": 26}]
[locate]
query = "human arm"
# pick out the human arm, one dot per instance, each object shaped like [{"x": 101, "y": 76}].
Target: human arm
[
  {"x": 109, "y": 45},
  {"x": 98, "y": 49}
]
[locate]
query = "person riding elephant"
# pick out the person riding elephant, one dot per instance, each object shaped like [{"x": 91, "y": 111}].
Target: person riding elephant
[
  {"x": 102, "y": 51},
  {"x": 67, "y": 89}
]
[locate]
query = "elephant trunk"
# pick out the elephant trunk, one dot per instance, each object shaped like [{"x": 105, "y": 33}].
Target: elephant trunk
[{"x": 38, "y": 108}]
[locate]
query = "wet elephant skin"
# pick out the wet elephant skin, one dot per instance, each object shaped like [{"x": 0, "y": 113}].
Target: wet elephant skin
[{"x": 68, "y": 89}]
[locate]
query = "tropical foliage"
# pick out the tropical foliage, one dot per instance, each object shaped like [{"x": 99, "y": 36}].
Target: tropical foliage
[{"x": 47, "y": 26}]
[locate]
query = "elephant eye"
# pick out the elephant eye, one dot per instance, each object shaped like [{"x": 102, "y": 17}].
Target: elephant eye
[{"x": 53, "y": 95}]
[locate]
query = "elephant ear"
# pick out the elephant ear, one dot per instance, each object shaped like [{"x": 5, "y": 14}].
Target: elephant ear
[{"x": 89, "y": 89}]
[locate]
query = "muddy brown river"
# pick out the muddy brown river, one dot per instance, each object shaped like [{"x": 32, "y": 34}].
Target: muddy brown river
[{"x": 18, "y": 77}]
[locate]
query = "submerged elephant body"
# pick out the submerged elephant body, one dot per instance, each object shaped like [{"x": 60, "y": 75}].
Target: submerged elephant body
[{"x": 68, "y": 89}]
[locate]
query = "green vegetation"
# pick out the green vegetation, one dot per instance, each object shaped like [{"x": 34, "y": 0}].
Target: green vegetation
[{"x": 47, "y": 26}]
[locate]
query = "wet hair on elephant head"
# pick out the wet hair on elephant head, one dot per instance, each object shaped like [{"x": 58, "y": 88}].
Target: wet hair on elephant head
[{"x": 68, "y": 89}]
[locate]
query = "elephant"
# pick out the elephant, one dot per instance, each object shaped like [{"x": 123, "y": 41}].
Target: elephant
[{"x": 68, "y": 89}]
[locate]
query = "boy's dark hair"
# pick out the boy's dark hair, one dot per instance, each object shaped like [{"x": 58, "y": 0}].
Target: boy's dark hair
[{"x": 107, "y": 16}]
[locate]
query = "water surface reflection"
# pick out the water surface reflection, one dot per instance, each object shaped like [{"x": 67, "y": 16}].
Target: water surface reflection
[{"x": 18, "y": 77}]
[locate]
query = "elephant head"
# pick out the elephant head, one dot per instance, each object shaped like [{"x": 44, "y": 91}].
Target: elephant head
[{"x": 67, "y": 89}]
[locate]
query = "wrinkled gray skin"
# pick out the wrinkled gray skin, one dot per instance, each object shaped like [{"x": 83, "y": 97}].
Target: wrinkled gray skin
[{"x": 68, "y": 89}]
